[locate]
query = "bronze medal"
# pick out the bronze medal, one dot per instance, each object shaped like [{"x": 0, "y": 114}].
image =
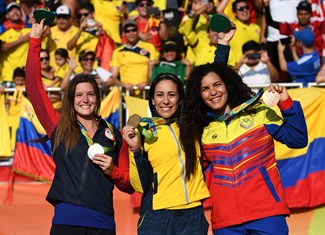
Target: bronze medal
[{"x": 271, "y": 98}]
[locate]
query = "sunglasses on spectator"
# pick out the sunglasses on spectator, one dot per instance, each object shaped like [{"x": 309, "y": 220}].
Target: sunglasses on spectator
[
  {"x": 45, "y": 58},
  {"x": 130, "y": 30},
  {"x": 88, "y": 59},
  {"x": 144, "y": 4},
  {"x": 242, "y": 8},
  {"x": 84, "y": 14},
  {"x": 65, "y": 17}
]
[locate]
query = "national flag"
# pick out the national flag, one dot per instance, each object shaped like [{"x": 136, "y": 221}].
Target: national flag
[
  {"x": 5, "y": 149},
  {"x": 32, "y": 159},
  {"x": 302, "y": 171},
  {"x": 110, "y": 107}
]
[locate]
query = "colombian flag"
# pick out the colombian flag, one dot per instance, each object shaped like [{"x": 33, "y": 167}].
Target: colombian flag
[
  {"x": 302, "y": 171},
  {"x": 5, "y": 149},
  {"x": 110, "y": 107},
  {"x": 32, "y": 159}
]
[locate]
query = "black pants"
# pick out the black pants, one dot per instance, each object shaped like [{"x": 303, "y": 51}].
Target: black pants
[{"x": 75, "y": 230}]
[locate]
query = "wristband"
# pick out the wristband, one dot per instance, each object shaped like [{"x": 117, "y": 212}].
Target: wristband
[
  {"x": 191, "y": 15},
  {"x": 134, "y": 150}
]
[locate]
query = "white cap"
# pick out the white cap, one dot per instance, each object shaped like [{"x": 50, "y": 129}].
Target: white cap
[
  {"x": 63, "y": 10},
  {"x": 11, "y": 5}
]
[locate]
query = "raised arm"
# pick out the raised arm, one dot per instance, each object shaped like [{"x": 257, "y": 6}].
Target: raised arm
[{"x": 44, "y": 110}]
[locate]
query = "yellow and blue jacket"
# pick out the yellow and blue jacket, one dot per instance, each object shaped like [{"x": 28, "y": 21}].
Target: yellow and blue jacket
[{"x": 159, "y": 173}]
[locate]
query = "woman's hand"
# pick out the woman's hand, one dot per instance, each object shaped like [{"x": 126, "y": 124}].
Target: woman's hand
[
  {"x": 130, "y": 136},
  {"x": 105, "y": 162},
  {"x": 38, "y": 29},
  {"x": 279, "y": 89}
]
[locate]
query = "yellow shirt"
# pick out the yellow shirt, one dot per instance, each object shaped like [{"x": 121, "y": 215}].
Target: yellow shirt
[
  {"x": 133, "y": 62},
  {"x": 108, "y": 15},
  {"x": 60, "y": 39},
  {"x": 15, "y": 57},
  {"x": 86, "y": 41},
  {"x": 244, "y": 33}
]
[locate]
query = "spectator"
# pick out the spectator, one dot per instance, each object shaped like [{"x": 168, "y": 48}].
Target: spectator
[
  {"x": 245, "y": 30},
  {"x": 304, "y": 12},
  {"x": 61, "y": 33},
  {"x": 152, "y": 28},
  {"x": 48, "y": 77},
  {"x": 111, "y": 14},
  {"x": 305, "y": 68},
  {"x": 255, "y": 66},
  {"x": 130, "y": 62},
  {"x": 271, "y": 35},
  {"x": 196, "y": 22},
  {"x": 47, "y": 71},
  {"x": 14, "y": 104},
  {"x": 170, "y": 62},
  {"x": 92, "y": 37},
  {"x": 62, "y": 62},
  {"x": 87, "y": 60},
  {"x": 14, "y": 42},
  {"x": 320, "y": 78},
  {"x": 255, "y": 8}
]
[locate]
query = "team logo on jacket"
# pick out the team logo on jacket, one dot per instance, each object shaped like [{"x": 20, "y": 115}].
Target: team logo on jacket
[
  {"x": 109, "y": 134},
  {"x": 246, "y": 122},
  {"x": 143, "y": 52}
]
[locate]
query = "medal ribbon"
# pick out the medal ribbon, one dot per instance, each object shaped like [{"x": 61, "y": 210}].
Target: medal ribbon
[
  {"x": 90, "y": 142},
  {"x": 153, "y": 122},
  {"x": 240, "y": 107}
]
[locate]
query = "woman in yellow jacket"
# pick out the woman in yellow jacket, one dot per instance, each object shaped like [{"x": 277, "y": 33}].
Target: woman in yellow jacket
[{"x": 166, "y": 165}]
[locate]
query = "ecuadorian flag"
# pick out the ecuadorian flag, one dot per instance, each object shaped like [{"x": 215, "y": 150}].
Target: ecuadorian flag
[{"x": 32, "y": 159}]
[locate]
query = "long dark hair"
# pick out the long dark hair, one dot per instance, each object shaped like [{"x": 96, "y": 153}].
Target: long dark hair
[
  {"x": 195, "y": 108},
  {"x": 186, "y": 139},
  {"x": 68, "y": 128}
]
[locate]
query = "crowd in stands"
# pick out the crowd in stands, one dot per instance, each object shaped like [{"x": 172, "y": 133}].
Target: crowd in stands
[{"x": 128, "y": 43}]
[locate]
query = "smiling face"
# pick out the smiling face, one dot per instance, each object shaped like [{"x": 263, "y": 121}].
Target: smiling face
[
  {"x": 87, "y": 63},
  {"x": 242, "y": 12},
  {"x": 85, "y": 101},
  {"x": 214, "y": 93},
  {"x": 44, "y": 57},
  {"x": 131, "y": 35},
  {"x": 14, "y": 15},
  {"x": 166, "y": 98}
]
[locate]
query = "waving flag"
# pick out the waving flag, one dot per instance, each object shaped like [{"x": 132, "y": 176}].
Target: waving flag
[
  {"x": 32, "y": 159},
  {"x": 5, "y": 149},
  {"x": 302, "y": 171},
  {"x": 110, "y": 107}
]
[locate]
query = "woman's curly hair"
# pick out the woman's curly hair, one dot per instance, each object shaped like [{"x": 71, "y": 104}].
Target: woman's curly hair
[{"x": 195, "y": 108}]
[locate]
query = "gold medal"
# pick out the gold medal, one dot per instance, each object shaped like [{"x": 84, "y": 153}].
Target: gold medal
[
  {"x": 271, "y": 98},
  {"x": 134, "y": 120}
]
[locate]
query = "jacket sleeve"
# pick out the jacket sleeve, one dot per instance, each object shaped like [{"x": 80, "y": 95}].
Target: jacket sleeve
[
  {"x": 140, "y": 171},
  {"x": 221, "y": 54},
  {"x": 120, "y": 173},
  {"x": 42, "y": 105},
  {"x": 293, "y": 131}
]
